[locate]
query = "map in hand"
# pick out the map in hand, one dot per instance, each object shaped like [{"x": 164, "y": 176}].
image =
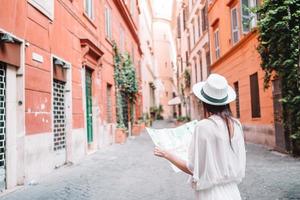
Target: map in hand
[{"x": 176, "y": 140}]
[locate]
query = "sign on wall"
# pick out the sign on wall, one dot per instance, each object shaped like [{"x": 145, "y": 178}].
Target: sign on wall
[{"x": 44, "y": 6}]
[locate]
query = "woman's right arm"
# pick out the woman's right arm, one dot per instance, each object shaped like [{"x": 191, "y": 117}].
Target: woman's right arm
[{"x": 179, "y": 163}]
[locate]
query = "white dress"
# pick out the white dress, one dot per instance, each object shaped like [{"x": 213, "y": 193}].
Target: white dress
[{"x": 217, "y": 167}]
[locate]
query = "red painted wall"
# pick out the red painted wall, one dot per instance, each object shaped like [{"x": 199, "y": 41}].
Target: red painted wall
[{"x": 61, "y": 37}]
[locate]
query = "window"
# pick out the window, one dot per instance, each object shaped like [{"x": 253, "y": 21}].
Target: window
[
  {"x": 194, "y": 33},
  {"x": 204, "y": 19},
  {"x": 122, "y": 40},
  {"x": 108, "y": 23},
  {"x": 189, "y": 43},
  {"x": 207, "y": 58},
  {"x": 234, "y": 26},
  {"x": 181, "y": 65},
  {"x": 186, "y": 58},
  {"x": 132, "y": 7},
  {"x": 184, "y": 18},
  {"x": 109, "y": 103},
  {"x": 254, "y": 91},
  {"x": 217, "y": 44},
  {"x": 200, "y": 64},
  {"x": 132, "y": 54},
  {"x": 196, "y": 72},
  {"x": 178, "y": 27},
  {"x": 44, "y": 6},
  {"x": 253, "y": 20},
  {"x": 237, "y": 101},
  {"x": 89, "y": 8},
  {"x": 248, "y": 19},
  {"x": 199, "y": 25}
]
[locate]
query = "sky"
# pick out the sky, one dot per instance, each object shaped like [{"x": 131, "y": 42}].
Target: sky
[{"x": 163, "y": 8}]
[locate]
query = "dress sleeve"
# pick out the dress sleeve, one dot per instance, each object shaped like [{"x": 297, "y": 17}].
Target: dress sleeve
[{"x": 200, "y": 159}]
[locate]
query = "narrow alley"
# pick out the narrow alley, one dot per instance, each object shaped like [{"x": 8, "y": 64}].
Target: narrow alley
[{"x": 131, "y": 172}]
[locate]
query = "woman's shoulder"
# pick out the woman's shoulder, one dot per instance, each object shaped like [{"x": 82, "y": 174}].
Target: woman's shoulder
[{"x": 203, "y": 127}]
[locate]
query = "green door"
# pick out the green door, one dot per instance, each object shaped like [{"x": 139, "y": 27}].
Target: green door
[{"x": 89, "y": 113}]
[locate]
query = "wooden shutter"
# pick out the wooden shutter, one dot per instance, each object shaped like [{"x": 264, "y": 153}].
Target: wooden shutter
[
  {"x": 109, "y": 103},
  {"x": 234, "y": 26},
  {"x": 254, "y": 91},
  {"x": 178, "y": 27},
  {"x": 237, "y": 101}
]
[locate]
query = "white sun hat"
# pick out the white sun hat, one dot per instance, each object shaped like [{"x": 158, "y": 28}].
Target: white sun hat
[{"x": 214, "y": 91}]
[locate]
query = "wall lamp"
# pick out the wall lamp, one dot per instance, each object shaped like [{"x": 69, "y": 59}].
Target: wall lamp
[{"x": 6, "y": 38}]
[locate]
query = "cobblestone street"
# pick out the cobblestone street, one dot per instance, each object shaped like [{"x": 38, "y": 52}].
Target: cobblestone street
[{"x": 131, "y": 172}]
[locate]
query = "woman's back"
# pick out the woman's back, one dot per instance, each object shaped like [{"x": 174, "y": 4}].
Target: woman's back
[{"x": 216, "y": 160}]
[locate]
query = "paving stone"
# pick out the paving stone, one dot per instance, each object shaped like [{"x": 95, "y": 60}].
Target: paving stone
[{"x": 131, "y": 172}]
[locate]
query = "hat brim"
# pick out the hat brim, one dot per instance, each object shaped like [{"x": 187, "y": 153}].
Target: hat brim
[{"x": 197, "y": 91}]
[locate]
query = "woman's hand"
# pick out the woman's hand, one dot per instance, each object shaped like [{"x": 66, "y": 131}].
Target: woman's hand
[
  {"x": 160, "y": 153},
  {"x": 181, "y": 164}
]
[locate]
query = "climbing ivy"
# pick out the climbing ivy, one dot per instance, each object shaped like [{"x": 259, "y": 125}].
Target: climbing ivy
[
  {"x": 187, "y": 78},
  {"x": 126, "y": 85},
  {"x": 279, "y": 40}
]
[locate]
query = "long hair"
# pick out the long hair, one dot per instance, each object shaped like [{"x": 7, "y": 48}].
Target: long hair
[{"x": 222, "y": 111}]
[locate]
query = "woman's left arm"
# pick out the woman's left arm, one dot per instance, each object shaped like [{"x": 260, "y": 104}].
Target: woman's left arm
[{"x": 181, "y": 164}]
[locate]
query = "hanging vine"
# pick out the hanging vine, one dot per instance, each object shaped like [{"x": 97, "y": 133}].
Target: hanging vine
[
  {"x": 126, "y": 86},
  {"x": 279, "y": 41}
]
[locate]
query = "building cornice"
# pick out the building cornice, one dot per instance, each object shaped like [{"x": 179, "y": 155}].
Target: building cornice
[{"x": 129, "y": 21}]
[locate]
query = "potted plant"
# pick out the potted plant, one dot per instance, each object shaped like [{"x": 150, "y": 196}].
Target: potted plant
[
  {"x": 136, "y": 129},
  {"x": 121, "y": 135}
]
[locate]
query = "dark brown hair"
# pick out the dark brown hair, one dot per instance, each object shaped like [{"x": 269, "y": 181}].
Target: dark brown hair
[{"x": 222, "y": 111}]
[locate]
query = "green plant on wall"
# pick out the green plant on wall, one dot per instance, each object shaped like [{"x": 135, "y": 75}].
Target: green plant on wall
[
  {"x": 118, "y": 82},
  {"x": 279, "y": 40},
  {"x": 187, "y": 78},
  {"x": 126, "y": 86}
]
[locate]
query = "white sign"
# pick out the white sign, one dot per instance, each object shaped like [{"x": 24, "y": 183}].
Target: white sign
[
  {"x": 175, "y": 140},
  {"x": 37, "y": 57}
]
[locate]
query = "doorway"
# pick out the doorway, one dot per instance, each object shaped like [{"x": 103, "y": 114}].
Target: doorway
[{"x": 89, "y": 105}]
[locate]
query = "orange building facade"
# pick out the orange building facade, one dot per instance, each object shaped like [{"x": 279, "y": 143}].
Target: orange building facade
[
  {"x": 233, "y": 42},
  {"x": 58, "y": 101}
]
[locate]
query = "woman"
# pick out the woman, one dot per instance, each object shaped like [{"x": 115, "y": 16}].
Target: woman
[{"x": 216, "y": 155}]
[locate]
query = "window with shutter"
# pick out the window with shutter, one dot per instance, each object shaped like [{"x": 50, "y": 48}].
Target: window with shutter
[
  {"x": 109, "y": 103},
  {"x": 189, "y": 43},
  {"x": 196, "y": 71},
  {"x": 178, "y": 27},
  {"x": 234, "y": 26},
  {"x": 217, "y": 44},
  {"x": 89, "y": 8},
  {"x": 44, "y": 6},
  {"x": 184, "y": 18},
  {"x": 204, "y": 18},
  {"x": 237, "y": 101},
  {"x": 194, "y": 33},
  {"x": 199, "y": 24},
  {"x": 254, "y": 91},
  {"x": 107, "y": 14},
  {"x": 122, "y": 40},
  {"x": 132, "y": 7},
  {"x": 186, "y": 58},
  {"x": 200, "y": 66}
]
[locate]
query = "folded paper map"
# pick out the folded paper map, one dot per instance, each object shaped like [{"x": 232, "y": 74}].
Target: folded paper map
[{"x": 176, "y": 140}]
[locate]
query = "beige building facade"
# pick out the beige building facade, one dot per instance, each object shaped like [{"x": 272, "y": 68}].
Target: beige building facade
[
  {"x": 148, "y": 60},
  {"x": 165, "y": 52},
  {"x": 193, "y": 55}
]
